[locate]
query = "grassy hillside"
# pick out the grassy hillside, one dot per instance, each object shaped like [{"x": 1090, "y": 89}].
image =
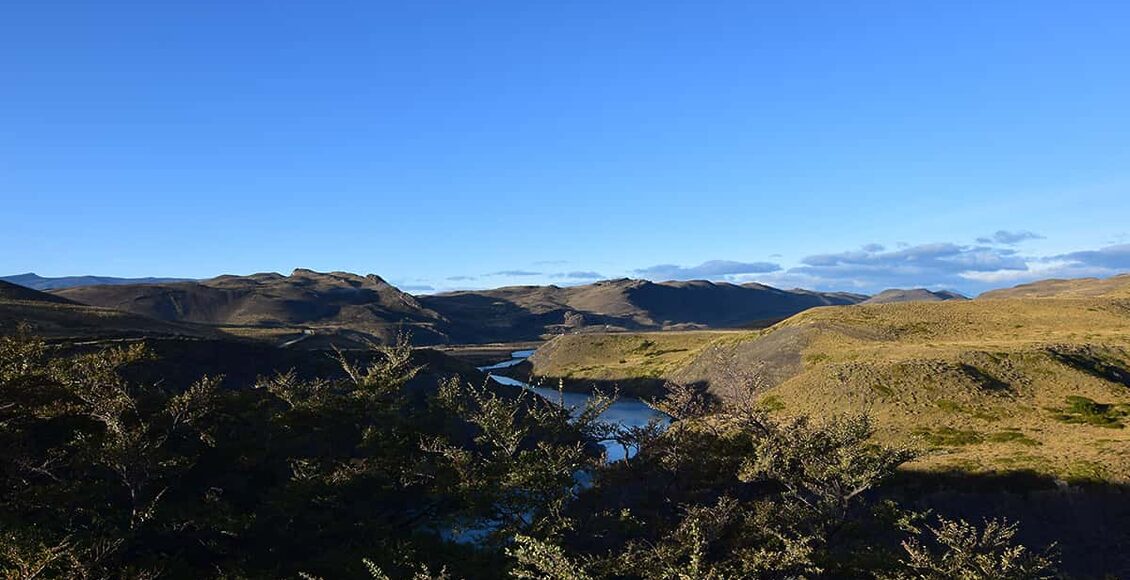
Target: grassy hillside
[
  {"x": 1113, "y": 287},
  {"x": 991, "y": 385},
  {"x": 636, "y": 363}
]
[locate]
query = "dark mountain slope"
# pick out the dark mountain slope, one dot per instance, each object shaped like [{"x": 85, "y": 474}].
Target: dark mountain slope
[
  {"x": 58, "y": 318},
  {"x": 9, "y": 291},
  {"x": 305, "y": 299},
  {"x": 913, "y": 295},
  {"x": 725, "y": 305},
  {"x": 526, "y": 312}
]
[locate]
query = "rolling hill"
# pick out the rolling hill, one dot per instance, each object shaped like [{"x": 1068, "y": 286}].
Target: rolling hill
[
  {"x": 527, "y": 312},
  {"x": 57, "y": 317},
  {"x": 264, "y": 305},
  {"x": 1113, "y": 287},
  {"x": 15, "y": 292},
  {"x": 1042, "y": 385},
  {"x": 181, "y": 352},
  {"x": 913, "y": 295}
]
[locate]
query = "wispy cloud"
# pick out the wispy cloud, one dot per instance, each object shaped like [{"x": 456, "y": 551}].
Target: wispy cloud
[
  {"x": 579, "y": 275},
  {"x": 712, "y": 269},
  {"x": 1111, "y": 258},
  {"x": 989, "y": 263},
  {"x": 938, "y": 264},
  {"x": 1009, "y": 238},
  {"x": 969, "y": 268},
  {"x": 515, "y": 273}
]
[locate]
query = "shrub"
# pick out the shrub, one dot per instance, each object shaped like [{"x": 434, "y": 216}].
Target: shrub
[{"x": 957, "y": 550}]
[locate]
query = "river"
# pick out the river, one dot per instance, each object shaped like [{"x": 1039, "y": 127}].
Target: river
[{"x": 626, "y": 411}]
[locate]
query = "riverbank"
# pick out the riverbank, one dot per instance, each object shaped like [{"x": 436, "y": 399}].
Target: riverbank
[
  {"x": 486, "y": 354},
  {"x": 626, "y": 411}
]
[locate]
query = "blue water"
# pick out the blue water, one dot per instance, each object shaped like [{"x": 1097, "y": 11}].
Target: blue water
[
  {"x": 626, "y": 411},
  {"x": 516, "y": 358}
]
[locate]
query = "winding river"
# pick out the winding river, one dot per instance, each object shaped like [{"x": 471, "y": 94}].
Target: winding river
[{"x": 626, "y": 411}]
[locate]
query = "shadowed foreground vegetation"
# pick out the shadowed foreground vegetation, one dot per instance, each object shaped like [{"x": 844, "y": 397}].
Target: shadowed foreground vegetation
[{"x": 376, "y": 475}]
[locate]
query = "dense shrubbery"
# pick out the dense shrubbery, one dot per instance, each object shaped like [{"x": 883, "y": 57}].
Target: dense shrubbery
[{"x": 376, "y": 476}]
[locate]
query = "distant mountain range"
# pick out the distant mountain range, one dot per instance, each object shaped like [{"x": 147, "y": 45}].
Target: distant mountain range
[
  {"x": 314, "y": 307},
  {"x": 318, "y": 309},
  {"x": 526, "y": 312},
  {"x": 37, "y": 282},
  {"x": 913, "y": 295}
]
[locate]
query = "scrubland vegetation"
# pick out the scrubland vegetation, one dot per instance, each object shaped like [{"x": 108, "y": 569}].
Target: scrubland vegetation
[{"x": 378, "y": 475}]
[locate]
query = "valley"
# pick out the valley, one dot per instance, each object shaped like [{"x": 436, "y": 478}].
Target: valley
[
  {"x": 988, "y": 387},
  {"x": 1016, "y": 394},
  {"x": 1025, "y": 379}
]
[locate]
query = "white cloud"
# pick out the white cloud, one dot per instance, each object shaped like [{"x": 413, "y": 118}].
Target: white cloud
[{"x": 710, "y": 270}]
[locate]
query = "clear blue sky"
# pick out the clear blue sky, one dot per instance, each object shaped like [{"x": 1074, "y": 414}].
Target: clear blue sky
[{"x": 441, "y": 143}]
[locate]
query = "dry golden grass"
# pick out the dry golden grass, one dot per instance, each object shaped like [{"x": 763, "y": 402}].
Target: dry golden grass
[
  {"x": 622, "y": 356},
  {"x": 1113, "y": 287},
  {"x": 984, "y": 384}
]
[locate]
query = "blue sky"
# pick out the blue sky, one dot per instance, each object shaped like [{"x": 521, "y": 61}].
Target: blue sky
[{"x": 833, "y": 145}]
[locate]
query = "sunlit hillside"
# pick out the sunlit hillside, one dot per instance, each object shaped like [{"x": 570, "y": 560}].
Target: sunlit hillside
[{"x": 991, "y": 385}]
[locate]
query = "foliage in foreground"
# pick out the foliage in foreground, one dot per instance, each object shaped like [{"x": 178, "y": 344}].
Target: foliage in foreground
[{"x": 382, "y": 475}]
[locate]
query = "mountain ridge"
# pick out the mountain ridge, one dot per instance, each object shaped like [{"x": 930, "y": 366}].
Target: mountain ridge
[
  {"x": 37, "y": 282},
  {"x": 346, "y": 302},
  {"x": 343, "y": 306},
  {"x": 623, "y": 304},
  {"x": 305, "y": 299}
]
